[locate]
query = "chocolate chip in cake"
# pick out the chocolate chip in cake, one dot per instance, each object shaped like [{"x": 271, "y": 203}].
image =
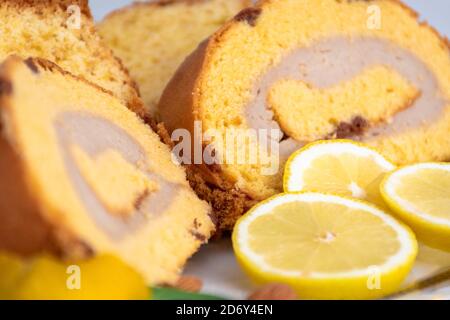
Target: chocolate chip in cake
[
  {"x": 356, "y": 127},
  {"x": 32, "y": 66},
  {"x": 139, "y": 200},
  {"x": 163, "y": 3},
  {"x": 249, "y": 15},
  {"x": 197, "y": 235}
]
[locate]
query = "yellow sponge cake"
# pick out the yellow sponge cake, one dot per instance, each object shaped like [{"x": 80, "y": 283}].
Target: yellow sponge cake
[
  {"x": 81, "y": 174},
  {"x": 63, "y": 31},
  {"x": 153, "y": 37},
  {"x": 297, "y": 71}
]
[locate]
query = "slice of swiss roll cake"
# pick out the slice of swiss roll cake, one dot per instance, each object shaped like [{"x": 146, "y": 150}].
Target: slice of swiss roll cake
[
  {"x": 63, "y": 31},
  {"x": 153, "y": 37},
  {"x": 81, "y": 175},
  {"x": 297, "y": 71}
]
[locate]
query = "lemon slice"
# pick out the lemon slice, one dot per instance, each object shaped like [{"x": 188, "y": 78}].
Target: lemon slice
[
  {"x": 324, "y": 246},
  {"x": 341, "y": 167},
  {"x": 420, "y": 196}
]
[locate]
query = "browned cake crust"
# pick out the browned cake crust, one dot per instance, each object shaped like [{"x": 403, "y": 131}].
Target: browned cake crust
[
  {"x": 132, "y": 98},
  {"x": 178, "y": 109},
  {"x": 228, "y": 203}
]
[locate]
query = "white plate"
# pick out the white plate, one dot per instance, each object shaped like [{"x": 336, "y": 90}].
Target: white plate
[{"x": 216, "y": 265}]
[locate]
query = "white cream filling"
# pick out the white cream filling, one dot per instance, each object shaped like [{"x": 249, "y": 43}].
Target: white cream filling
[
  {"x": 95, "y": 135},
  {"x": 331, "y": 61}
]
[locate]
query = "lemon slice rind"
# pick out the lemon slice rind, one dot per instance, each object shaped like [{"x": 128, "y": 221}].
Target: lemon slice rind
[
  {"x": 390, "y": 195},
  {"x": 300, "y": 160},
  {"x": 433, "y": 231},
  {"x": 405, "y": 255}
]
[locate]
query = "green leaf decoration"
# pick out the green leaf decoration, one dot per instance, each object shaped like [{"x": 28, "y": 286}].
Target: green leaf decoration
[{"x": 160, "y": 293}]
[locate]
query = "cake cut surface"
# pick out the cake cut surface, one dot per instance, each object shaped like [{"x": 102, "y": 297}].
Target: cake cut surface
[
  {"x": 307, "y": 113},
  {"x": 153, "y": 38},
  {"x": 63, "y": 32},
  {"x": 83, "y": 175},
  {"x": 279, "y": 67},
  {"x": 101, "y": 174}
]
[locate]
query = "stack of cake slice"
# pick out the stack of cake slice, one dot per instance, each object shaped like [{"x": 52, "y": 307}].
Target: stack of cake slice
[{"x": 82, "y": 172}]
